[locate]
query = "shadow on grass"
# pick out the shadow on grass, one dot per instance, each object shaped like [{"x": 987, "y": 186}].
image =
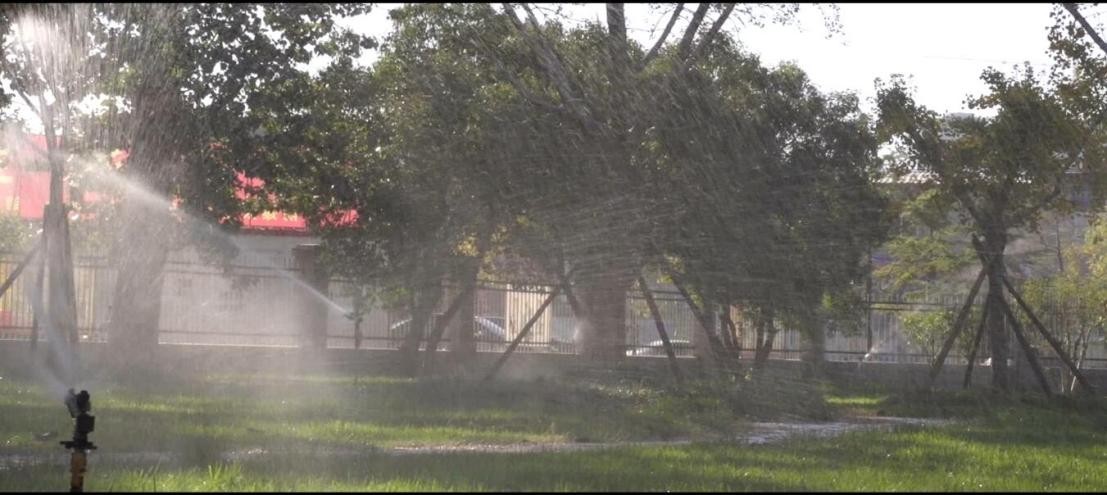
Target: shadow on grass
[
  {"x": 270, "y": 411},
  {"x": 918, "y": 459},
  {"x": 1052, "y": 444}
]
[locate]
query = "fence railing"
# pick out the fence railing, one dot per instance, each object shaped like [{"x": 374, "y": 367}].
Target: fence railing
[{"x": 261, "y": 306}]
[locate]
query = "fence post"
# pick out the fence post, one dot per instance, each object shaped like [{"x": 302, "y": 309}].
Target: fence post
[{"x": 313, "y": 318}]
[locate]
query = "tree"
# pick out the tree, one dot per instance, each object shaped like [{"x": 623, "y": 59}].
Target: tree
[
  {"x": 553, "y": 178},
  {"x": 46, "y": 65},
  {"x": 1002, "y": 171},
  {"x": 929, "y": 257},
  {"x": 191, "y": 77},
  {"x": 402, "y": 146},
  {"x": 595, "y": 123},
  {"x": 1072, "y": 300},
  {"x": 789, "y": 208}
]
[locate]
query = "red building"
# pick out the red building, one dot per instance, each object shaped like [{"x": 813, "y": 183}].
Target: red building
[{"x": 25, "y": 188}]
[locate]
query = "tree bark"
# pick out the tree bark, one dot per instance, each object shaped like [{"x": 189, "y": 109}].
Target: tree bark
[
  {"x": 313, "y": 311},
  {"x": 463, "y": 345},
  {"x": 664, "y": 36},
  {"x": 604, "y": 333},
  {"x": 140, "y": 254},
  {"x": 424, "y": 301},
  {"x": 995, "y": 242},
  {"x": 441, "y": 324},
  {"x": 142, "y": 245},
  {"x": 358, "y": 314},
  {"x": 815, "y": 355},
  {"x": 766, "y": 334}
]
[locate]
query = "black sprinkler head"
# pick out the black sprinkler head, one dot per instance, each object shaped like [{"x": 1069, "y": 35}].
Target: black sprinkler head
[{"x": 78, "y": 403}]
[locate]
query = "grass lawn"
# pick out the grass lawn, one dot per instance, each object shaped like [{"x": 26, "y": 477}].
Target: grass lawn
[{"x": 1019, "y": 443}]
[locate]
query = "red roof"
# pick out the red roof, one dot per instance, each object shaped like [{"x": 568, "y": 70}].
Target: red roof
[
  {"x": 27, "y": 192},
  {"x": 267, "y": 220}
]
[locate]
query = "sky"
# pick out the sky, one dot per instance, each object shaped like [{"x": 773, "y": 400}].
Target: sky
[{"x": 944, "y": 47}]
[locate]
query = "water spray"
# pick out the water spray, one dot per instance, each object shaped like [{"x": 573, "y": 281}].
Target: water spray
[{"x": 79, "y": 405}]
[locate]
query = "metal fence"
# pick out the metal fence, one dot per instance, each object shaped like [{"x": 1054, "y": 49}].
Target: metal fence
[{"x": 203, "y": 304}]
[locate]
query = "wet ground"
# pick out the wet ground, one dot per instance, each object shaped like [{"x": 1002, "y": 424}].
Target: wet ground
[{"x": 758, "y": 434}]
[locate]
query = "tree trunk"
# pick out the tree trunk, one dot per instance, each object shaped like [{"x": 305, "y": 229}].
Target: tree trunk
[
  {"x": 815, "y": 355},
  {"x": 998, "y": 341},
  {"x": 766, "y": 333},
  {"x": 313, "y": 310},
  {"x": 463, "y": 345},
  {"x": 140, "y": 254},
  {"x": 63, "y": 292},
  {"x": 726, "y": 331},
  {"x": 711, "y": 315},
  {"x": 424, "y": 302},
  {"x": 142, "y": 246},
  {"x": 438, "y": 329},
  {"x": 359, "y": 310},
  {"x": 603, "y": 335}
]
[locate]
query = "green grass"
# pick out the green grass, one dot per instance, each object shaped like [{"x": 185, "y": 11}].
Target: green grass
[
  {"x": 223, "y": 412},
  {"x": 1019, "y": 443},
  {"x": 1025, "y": 451}
]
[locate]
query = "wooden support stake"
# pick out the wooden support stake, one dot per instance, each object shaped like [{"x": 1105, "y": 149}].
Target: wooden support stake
[
  {"x": 1087, "y": 387},
  {"x": 21, "y": 266},
  {"x": 656, "y": 313},
  {"x": 39, "y": 304},
  {"x": 1030, "y": 354},
  {"x": 578, "y": 309},
  {"x": 519, "y": 338},
  {"x": 441, "y": 323},
  {"x": 732, "y": 331},
  {"x": 972, "y": 352},
  {"x": 712, "y": 339},
  {"x": 958, "y": 325},
  {"x": 1037, "y": 324}
]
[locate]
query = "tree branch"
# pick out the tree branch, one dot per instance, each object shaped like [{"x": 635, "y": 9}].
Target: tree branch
[
  {"x": 690, "y": 32},
  {"x": 26, "y": 99},
  {"x": 553, "y": 66},
  {"x": 707, "y": 38},
  {"x": 664, "y": 36},
  {"x": 513, "y": 78},
  {"x": 616, "y": 21},
  {"x": 1071, "y": 7}
]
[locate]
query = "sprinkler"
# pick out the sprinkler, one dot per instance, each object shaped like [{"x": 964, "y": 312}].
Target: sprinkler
[{"x": 79, "y": 405}]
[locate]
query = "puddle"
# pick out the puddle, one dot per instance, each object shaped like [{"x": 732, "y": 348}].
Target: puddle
[
  {"x": 770, "y": 432},
  {"x": 759, "y": 433},
  {"x": 19, "y": 461}
]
